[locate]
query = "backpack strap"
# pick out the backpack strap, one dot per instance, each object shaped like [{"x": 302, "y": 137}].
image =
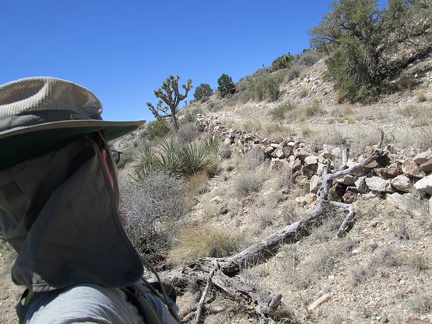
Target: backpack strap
[
  {"x": 139, "y": 293},
  {"x": 144, "y": 307},
  {"x": 24, "y": 300}
]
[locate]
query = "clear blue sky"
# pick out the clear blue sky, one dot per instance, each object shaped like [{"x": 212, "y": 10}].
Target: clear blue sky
[{"x": 122, "y": 50}]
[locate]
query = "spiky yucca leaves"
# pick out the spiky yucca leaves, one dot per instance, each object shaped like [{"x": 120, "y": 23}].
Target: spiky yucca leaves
[
  {"x": 143, "y": 163},
  {"x": 168, "y": 160},
  {"x": 196, "y": 157},
  {"x": 211, "y": 143},
  {"x": 175, "y": 158}
]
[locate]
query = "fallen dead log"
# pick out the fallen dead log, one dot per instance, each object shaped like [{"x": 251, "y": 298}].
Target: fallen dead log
[{"x": 219, "y": 271}]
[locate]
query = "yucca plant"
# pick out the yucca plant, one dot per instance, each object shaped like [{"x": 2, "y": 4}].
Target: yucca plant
[
  {"x": 212, "y": 144},
  {"x": 143, "y": 163},
  {"x": 176, "y": 159},
  {"x": 197, "y": 157},
  {"x": 168, "y": 160}
]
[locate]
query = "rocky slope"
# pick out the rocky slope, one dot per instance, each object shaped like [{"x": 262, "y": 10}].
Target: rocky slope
[{"x": 380, "y": 271}]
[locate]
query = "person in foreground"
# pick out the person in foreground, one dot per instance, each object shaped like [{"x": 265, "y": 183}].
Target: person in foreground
[{"x": 59, "y": 209}]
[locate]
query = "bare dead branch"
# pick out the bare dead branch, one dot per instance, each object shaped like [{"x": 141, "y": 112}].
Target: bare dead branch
[{"x": 203, "y": 297}]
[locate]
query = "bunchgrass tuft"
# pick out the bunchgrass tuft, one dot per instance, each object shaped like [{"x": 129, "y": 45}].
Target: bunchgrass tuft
[{"x": 205, "y": 241}]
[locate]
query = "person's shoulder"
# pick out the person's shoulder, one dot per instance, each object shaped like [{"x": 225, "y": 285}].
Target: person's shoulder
[{"x": 86, "y": 303}]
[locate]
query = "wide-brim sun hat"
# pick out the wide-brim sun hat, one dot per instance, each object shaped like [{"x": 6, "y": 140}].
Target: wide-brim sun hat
[{"x": 42, "y": 114}]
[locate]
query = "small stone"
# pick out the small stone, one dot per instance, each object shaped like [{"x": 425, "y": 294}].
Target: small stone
[
  {"x": 401, "y": 183},
  {"x": 412, "y": 170}
]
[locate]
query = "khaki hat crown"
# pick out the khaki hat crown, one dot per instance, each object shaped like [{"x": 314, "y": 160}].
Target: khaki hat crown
[{"x": 41, "y": 114}]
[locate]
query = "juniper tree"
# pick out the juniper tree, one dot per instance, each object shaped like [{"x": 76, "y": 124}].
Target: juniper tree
[
  {"x": 363, "y": 38},
  {"x": 203, "y": 91},
  {"x": 170, "y": 95},
  {"x": 226, "y": 85}
]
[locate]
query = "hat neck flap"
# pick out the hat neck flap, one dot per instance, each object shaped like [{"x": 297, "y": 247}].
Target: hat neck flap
[{"x": 60, "y": 213}]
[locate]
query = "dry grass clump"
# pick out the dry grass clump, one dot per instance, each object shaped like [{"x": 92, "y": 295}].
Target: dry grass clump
[
  {"x": 253, "y": 126},
  {"x": 195, "y": 185},
  {"x": 343, "y": 112},
  {"x": 418, "y": 262},
  {"x": 289, "y": 213},
  {"x": 303, "y": 93},
  {"x": 421, "y": 96},
  {"x": 266, "y": 217},
  {"x": 247, "y": 182},
  {"x": 313, "y": 109},
  {"x": 420, "y": 113},
  {"x": 421, "y": 302},
  {"x": 205, "y": 241},
  {"x": 362, "y": 273},
  {"x": 225, "y": 152},
  {"x": 305, "y": 129},
  {"x": 417, "y": 138}
]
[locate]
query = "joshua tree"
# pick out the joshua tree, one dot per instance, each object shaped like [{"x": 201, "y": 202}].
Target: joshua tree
[{"x": 170, "y": 95}]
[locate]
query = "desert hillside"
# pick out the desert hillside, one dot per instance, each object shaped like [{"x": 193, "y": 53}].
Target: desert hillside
[
  {"x": 378, "y": 270},
  {"x": 272, "y": 159}
]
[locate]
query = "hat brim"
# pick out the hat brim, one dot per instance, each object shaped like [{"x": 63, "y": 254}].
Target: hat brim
[{"x": 18, "y": 145}]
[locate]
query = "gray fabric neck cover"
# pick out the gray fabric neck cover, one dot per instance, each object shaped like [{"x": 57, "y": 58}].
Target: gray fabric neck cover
[{"x": 60, "y": 213}]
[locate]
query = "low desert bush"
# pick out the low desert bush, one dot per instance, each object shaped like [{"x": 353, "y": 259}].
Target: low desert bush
[
  {"x": 418, "y": 262},
  {"x": 152, "y": 207},
  {"x": 361, "y": 273},
  {"x": 157, "y": 129},
  {"x": 225, "y": 152},
  {"x": 421, "y": 302},
  {"x": 247, "y": 182},
  {"x": 206, "y": 241},
  {"x": 278, "y": 113},
  {"x": 303, "y": 93},
  {"x": 253, "y": 159},
  {"x": 188, "y": 132},
  {"x": 421, "y": 96},
  {"x": 126, "y": 157},
  {"x": 386, "y": 257}
]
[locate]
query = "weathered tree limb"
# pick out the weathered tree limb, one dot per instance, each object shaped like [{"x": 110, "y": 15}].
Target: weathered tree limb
[
  {"x": 203, "y": 297},
  {"x": 348, "y": 219},
  {"x": 220, "y": 270}
]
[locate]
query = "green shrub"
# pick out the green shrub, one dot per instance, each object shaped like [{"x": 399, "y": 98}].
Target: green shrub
[
  {"x": 157, "y": 129},
  {"x": 203, "y": 91},
  {"x": 226, "y": 86},
  {"x": 281, "y": 62},
  {"x": 279, "y": 113},
  {"x": 267, "y": 86}
]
